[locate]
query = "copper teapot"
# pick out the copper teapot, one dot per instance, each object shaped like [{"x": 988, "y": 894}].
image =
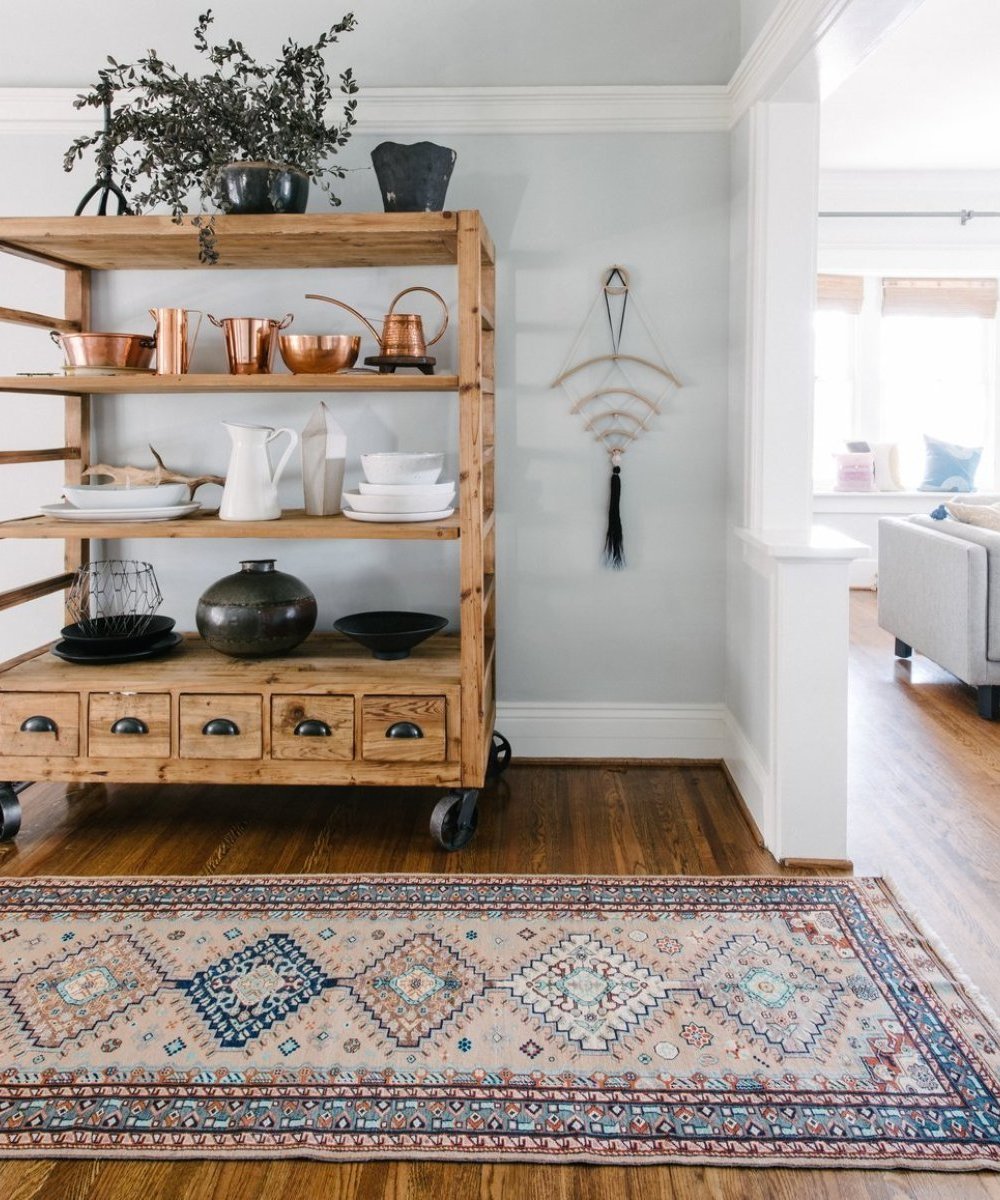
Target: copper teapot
[{"x": 402, "y": 333}]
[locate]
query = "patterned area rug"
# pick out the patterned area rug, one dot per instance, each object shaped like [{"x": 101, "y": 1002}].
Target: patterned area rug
[{"x": 733, "y": 1021}]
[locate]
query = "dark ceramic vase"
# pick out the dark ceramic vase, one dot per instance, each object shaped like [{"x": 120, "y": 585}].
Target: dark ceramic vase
[
  {"x": 257, "y": 612},
  {"x": 413, "y": 178},
  {"x": 261, "y": 187}
]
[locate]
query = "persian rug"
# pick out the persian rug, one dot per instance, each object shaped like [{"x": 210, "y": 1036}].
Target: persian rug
[{"x": 788, "y": 1022}]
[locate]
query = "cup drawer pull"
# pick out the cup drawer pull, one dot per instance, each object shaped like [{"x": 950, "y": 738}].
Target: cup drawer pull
[
  {"x": 404, "y": 729},
  {"x": 39, "y": 725},
  {"x": 313, "y": 728},
  {"x": 130, "y": 725},
  {"x": 221, "y": 727}
]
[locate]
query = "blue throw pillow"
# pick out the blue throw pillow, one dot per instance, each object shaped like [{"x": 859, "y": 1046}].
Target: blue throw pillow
[{"x": 950, "y": 468}]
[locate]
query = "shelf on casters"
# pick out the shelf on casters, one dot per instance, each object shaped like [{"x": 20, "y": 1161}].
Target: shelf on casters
[
  {"x": 160, "y": 385},
  {"x": 293, "y": 524},
  {"x": 290, "y": 241}
]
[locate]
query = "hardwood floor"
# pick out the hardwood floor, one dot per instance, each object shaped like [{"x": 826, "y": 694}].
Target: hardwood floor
[{"x": 925, "y": 780}]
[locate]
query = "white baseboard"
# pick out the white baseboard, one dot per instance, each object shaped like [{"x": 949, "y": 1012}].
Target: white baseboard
[
  {"x": 750, "y": 777},
  {"x": 541, "y": 730},
  {"x": 864, "y": 572}
]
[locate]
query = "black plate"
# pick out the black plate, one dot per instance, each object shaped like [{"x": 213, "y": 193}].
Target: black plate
[
  {"x": 70, "y": 651},
  {"x": 152, "y": 631},
  {"x": 390, "y": 634}
]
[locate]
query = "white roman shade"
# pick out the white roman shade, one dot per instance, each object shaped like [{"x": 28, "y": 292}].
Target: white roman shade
[
  {"x": 840, "y": 293},
  {"x": 939, "y": 298}
]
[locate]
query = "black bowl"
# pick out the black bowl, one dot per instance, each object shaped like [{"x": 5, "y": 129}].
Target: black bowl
[
  {"x": 390, "y": 634},
  {"x": 137, "y": 633}
]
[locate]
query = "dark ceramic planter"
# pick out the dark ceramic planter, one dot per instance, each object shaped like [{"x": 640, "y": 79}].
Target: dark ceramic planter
[
  {"x": 257, "y": 187},
  {"x": 257, "y": 612},
  {"x": 413, "y": 178}
]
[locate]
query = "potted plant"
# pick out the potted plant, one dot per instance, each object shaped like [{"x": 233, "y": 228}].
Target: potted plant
[{"x": 242, "y": 137}]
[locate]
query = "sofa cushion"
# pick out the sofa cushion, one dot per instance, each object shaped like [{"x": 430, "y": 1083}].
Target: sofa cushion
[{"x": 989, "y": 539}]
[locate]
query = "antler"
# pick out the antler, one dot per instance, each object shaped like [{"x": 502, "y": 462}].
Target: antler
[{"x": 161, "y": 473}]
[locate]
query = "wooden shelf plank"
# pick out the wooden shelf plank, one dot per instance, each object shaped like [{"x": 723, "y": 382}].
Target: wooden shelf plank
[
  {"x": 22, "y": 316},
  {"x": 294, "y": 524},
  {"x": 290, "y": 241},
  {"x": 53, "y": 454},
  {"x": 320, "y": 664},
  {"x": 160, "y": 385}
]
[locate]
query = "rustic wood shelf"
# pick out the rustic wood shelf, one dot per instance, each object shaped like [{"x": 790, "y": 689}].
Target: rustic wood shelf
[
  {"x": 172, "y": 385},
  {"x": 292, "y": 524},
  {"x": 266, "y": 242},
  {"x": 320, "y": 664},
  {"x": 328, "y": 713}
]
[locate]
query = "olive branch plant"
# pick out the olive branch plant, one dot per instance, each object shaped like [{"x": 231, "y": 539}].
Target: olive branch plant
[{"x": 172, "y": 131}]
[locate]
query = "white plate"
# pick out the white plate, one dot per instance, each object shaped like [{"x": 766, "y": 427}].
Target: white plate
[
  {"x": 387, "y": 517},
  {"x": 437, "y": 491},
  {"x": 398, "y": 504},
  {"x": 66, "y": 512}
]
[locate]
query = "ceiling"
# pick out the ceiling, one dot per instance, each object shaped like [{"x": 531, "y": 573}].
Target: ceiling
[{"x": 927, "y": 99}]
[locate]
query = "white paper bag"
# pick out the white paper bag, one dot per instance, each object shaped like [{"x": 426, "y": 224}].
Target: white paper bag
[{"x": 324, "y": 453}]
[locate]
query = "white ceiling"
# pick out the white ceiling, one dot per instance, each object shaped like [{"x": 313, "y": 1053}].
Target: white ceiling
[{"x": 928, "y": 99}]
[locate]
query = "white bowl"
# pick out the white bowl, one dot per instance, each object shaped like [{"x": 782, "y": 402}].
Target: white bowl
[
  {"x": 118, "y": 495},
  {"x": 402, "y": 466},
  {"x": 435, "y": 491},
  {"x": 413, "y": 502}
]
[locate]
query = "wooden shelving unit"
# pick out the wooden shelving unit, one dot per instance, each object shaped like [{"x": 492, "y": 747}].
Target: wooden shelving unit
[{"x": 445, "y": 689}]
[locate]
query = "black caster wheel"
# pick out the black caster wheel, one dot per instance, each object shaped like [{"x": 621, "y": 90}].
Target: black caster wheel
[
  {"x": 10, "y": 813},
  {"x": 455, "y": 818},
  {"x": 500, "y": 756}
]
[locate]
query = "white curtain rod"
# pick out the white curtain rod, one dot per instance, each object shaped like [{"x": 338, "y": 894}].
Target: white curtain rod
[{"x": 964, "y": 215}]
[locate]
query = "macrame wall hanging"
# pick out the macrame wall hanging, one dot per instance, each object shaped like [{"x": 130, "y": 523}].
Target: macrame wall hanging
[{"x": 616, "y": 394}]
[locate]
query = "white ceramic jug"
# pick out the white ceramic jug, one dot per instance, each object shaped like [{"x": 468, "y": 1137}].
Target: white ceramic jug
[{"x": 251, "y": 491}]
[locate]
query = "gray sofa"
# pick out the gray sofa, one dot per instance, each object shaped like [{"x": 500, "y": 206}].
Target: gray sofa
[{"x": 939, "y": 593}]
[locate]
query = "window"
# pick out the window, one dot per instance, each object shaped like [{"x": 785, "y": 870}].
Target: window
[{"x": 901, "y": 358}]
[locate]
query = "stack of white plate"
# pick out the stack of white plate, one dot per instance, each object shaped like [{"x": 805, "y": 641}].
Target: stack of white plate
[
  {"x": 401, "y": 487},
  {"x": 118, "y": 502}
]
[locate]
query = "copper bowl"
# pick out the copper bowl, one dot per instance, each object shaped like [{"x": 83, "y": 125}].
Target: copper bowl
[
  {"x": 129, "y": 351},
  {"x": 318, "y": 353}
]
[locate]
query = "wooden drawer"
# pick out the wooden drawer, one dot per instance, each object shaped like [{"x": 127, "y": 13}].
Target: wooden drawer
[
  {"x": 54, "y": 732},
  {"x": 312, "y": 727},
  {"x": 383, "y": 718},
  {"x": 221, "y": 727},
  {"x": 129, "y": 725}
]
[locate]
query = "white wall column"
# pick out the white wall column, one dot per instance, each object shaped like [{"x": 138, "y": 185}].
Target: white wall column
[{"x": 787, "y": 642}]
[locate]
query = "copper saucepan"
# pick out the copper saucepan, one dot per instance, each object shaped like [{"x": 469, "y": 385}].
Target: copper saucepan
[{"x": 124, "y": 351}]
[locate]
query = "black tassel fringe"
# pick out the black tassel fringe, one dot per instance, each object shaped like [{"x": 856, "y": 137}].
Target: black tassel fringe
[{"x": 614, "y": 547}]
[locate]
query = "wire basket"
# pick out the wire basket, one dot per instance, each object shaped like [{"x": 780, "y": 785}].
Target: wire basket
[{"x": 115, "y": 598}]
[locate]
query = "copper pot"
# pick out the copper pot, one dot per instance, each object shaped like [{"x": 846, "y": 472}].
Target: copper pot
[
  {"x": 402, "y": 333},
  {"x": 250, "y": 342},
  {"x": 318, "y": 354},
  {"x": 125, "y": 351}
]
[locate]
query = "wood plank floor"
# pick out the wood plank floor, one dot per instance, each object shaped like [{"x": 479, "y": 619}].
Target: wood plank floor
[{"x": 925, "y": 778}]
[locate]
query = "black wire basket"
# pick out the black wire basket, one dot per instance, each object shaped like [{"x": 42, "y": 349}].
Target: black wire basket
[{"x": 116, "y": 598}]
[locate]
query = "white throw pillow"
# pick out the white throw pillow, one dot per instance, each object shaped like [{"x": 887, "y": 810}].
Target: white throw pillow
[{"x": 987, "y": 516}]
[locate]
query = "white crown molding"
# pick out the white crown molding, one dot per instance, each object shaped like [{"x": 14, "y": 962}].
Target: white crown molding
[
  {"x": 540, "y": 730},
  {"x": 442, "y": 111}
]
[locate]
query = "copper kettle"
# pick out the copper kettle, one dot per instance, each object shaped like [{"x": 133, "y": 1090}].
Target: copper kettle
[{"x": 402, "y": 333}]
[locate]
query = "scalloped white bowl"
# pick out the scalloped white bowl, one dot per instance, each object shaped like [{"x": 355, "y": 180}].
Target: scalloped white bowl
[{"x": 402, "y": 466}]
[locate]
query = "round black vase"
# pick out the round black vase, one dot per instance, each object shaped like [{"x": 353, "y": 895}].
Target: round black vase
[
  {"x": 260, "y": 187},
  {"x": 413, "y": 178},
  {"x": 257, "y": 612}
]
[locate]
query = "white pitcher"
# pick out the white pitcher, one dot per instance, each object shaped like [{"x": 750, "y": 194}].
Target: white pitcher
[{"x": 251, "y": 491}]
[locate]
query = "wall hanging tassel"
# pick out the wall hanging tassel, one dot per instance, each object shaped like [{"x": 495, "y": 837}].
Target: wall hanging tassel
[
  {"x": 616, "y": 408},
  {"x": 614, "y": 545}
]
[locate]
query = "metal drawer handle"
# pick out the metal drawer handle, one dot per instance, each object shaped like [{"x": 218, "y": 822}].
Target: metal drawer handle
[
  {"x": 129, "y": 725},
  {"x": 221, "y": 726},
  {"x": 313, "y": 728},
  {"x": 404, "y": 729},
  {"x": 39, "y": 725}
]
